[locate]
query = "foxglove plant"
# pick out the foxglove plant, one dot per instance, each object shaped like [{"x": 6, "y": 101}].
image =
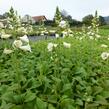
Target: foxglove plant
[
  {"x": 26, "y": 48},
  {"x": 5, "y": 36},
  {"x": 57, "y": 35},
  {"x": 22, "y": 30},
  {"x": 66, "y": 45},
  {"x": 104, "y": 45},
  {"x": 7, "y": 51},
  {"x": 51, "y": 46},
  {"x": 58, "y": 16},
  {"x": 24, "y": 39},
  {"x": 22, "y": 44},
  {"x": 93, "y": 30},
  {"x": 13, "y": 19},
  {"x": 105, "y": 55},
  {"x": 17, "y": 44}
]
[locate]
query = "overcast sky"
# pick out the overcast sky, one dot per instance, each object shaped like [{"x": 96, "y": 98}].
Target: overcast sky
[{"x": 76, "y": 8}]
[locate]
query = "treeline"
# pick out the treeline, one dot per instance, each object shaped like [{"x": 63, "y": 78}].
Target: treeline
[
  {"x": 63, "y": 15},
  {"x": 87, "y": 20}
]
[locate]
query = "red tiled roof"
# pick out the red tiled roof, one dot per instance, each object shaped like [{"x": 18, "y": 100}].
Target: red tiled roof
[{"x": 39, "y": 18}]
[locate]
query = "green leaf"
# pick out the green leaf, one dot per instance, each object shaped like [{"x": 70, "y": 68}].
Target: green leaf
[
  {"x": 102, "y": 107},
  {"x": 99, "y": 97},
  {"x": 66, "y": 102},
  {"x": 17, "y": 107},
  {"x": 79, "y": 102},
  {"x": 105, "y": 94},
  {"x": 66, "y": 87},
  {"x": 17, "y": 99},
  {"x": 8, "y": 96},
  {"x": 92, "y": 105},
  {"x": 107, "y": 83},
  {"x": 50, "y": 106},
  {"x": 40, "y": 104},
  {"x": 29, "y": 96},
  {"x": 82, "y": 72},
  {"x": 97, "y": 90},
  {"x": 101, "y": 100},
  {"x": 5, "y": 105},
  {"x": 52, "y": 98}
]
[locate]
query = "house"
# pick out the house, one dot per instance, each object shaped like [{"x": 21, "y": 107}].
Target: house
[
  {"x": 27, "y": 19},
  {"x": 3, "y": 22},
  {"x": 39, "y": 18}
]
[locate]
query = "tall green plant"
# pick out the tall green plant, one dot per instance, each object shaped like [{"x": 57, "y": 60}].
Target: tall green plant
[
  {"x": 58, "y": 16},
  {"x": 13, "y": 19},
  {"x": 95, "y": 23}
]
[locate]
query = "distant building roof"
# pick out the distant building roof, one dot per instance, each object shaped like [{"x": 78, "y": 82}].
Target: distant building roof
[{"x": 39, "y": 18}]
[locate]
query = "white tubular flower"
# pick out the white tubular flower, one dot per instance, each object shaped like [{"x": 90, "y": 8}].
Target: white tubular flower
[
  {"x": 89, "y": 33},
  {"x": 80, "y": 38},
  {"x": 57, "y": 35},
  {"x": 55, "y": 45},
  {"x": 22, "y": 29},
  {"x": 66, "y": 45},
  {"x": 92, "y": 33},
  {"x": 62, "y": 24},
  {"x": 89, "y": 27},
  {"x": 52, "y": 31},
  {"x": 42, "y": 34},
  {"x": 11, "y": 27},
  {"x": 51, "y": 46},
  {"x": 17, "y": 43},
  {"x": 5, "y": 36},
  {"x": 7, "y": 51},
  {"x": 25, "y": 48},
  {"x": 91, "y": 37},
  {"x": 104, "y": 46},
  {"x": 98, "y": 36},
  {"x": 24, "y": 38},
  {"x": 70, "y": 31},
  {"x": 64, "y": 33},
  {"x": 104, "y": 55},
  {"x": 51, "y": 58}
]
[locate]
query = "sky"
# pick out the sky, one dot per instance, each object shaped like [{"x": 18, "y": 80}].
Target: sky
[{"x": 76, "y": 8}]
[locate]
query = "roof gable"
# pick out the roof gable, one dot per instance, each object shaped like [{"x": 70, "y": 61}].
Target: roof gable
[{"x": 39, "y": 18}]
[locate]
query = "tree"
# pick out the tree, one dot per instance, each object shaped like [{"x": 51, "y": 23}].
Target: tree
[
  {"x": 1, "y": 16},
  {"x": 64, "y": 13},
  {"x": 75, "y": 23},
  {"x": 66, "y": 16},
  {"x": 5, "y": 15},
  {"x": 57, "y": 17},
  {"x": 101, "y": 21},
  {"x": 87, "y": 20},
  {"x": 49, "y": 23}
]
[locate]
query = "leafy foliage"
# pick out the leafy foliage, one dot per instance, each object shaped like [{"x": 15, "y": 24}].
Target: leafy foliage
[{"x": 71, "y": 79}]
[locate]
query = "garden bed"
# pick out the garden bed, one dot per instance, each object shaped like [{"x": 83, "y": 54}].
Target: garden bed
[{"x": 68, "y": 77}]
